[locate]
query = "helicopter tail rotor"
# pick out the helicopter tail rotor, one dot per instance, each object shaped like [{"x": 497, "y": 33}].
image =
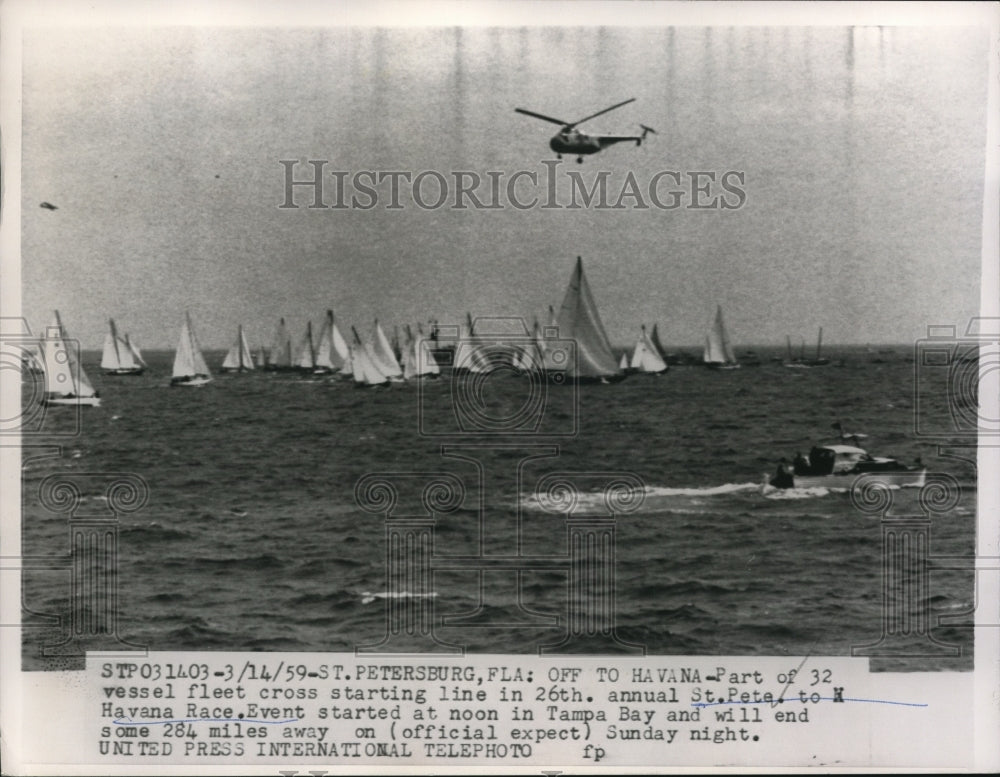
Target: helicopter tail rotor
[{"x": 645, "y": 131}]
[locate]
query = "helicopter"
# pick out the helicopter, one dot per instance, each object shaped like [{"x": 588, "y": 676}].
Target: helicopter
[{"x": 570, "y": 140}]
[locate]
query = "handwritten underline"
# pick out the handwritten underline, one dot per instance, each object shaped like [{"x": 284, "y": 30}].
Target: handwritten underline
[
  {"x": 807, "y": 701},
  {"x": 129, "y": 722}
]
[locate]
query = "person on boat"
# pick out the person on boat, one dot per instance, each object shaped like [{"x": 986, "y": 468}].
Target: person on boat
[
  {"x": 783, "y": 478},
  {"x": 801, "y": 464}
]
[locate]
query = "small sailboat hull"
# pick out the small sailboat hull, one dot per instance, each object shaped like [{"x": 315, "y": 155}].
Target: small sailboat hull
[
  {"x": 125, "y": 371},
  {"x": 76, "y": 401}
]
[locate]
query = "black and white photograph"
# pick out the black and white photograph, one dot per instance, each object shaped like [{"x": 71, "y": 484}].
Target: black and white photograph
[{"x": 503, "y": 358}]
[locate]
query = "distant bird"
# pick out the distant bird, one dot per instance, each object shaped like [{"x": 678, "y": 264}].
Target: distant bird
[
  {"x": 47, "y": 206},
  {"x": 845, "y": 436}
]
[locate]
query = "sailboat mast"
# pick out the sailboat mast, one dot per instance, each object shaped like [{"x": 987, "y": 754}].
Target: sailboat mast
[{"x": 819, "y": 343}]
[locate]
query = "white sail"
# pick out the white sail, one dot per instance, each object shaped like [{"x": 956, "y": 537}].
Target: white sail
[
  {"x": 718, "y": 350},
  {"x": 65, "y": 380},
  {"x": 134, "y": 349},
  {"x": 117, "y": 357},
  {"x": 382, "y": 355},
  {"x": 341, "y": 354},
  {"x": 189, "y": 364},
  {"x": 324, "y": 349},
  {"x": 306, "y": 359},
  {"x": 418, "y": 361},
  {"x": 579, "y": 321},
  {"x": 109, "y": 356},
  {"x": 646, "y": 357},
  {"x": 239, "y": 357},
  {"x": 365, "y": 370},
  {"x": 623, "y": 362},
  {"x": 280, "y": 357}
]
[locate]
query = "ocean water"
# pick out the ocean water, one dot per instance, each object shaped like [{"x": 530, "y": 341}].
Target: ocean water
[{"x": 253, "y": 539}]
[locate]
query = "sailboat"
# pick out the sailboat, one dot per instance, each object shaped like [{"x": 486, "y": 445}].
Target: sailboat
[
  {"x": 323, "y": 363},
  {"x": 579, "y": 321},
  {"x": 341, "y": 354},
  {"x": 119, "y": 357},
  {"x": 239, "y": 358},
  {"x": 382, "y": 355},
  {"x": 65, "y": 381},
  {"x": 362, "y": 366},
  {"x": 189, "y": 365},
  {"x": 280, "y": 357},
  {"x": 802, "y": 362},
  {"x": 646, "y": 356},
  {"x": 718, "y": 352},
  {"x": 306, "y": 358},
  {"x": 418, "y": 361}
]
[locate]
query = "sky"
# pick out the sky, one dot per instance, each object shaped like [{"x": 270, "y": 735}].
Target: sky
[{"x": 859, "y": 152}]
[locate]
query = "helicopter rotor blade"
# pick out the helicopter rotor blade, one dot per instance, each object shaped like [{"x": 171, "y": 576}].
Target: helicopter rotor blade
[
  {"x": 599, "y": 113},
  {"x": 560, "y": 122}
]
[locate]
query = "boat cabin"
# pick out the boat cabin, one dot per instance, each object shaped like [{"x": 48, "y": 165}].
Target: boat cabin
[
  {"x": 830, "y": 460},
  {"x": 841, "y": 459}
]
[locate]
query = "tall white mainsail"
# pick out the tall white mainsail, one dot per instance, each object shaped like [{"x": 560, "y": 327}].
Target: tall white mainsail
[
  {"x": 341, "y": 353},
  {"x": 189, "y": 364},
  {"x": 65, "y": 381},
  {"x": 239, "y": 358},
  {"x": 324, "y": 349},
  {"x": 382, "y": 355},
  {"x": 718, "y": 351},
  {"x": 646, "y": 357},
  {"x": 579, "y": 321},
  {"x": 365, "y": 372}
]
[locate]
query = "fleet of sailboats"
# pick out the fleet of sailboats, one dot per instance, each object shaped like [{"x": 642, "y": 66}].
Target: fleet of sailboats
[{"x": 575, "y": 345}]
